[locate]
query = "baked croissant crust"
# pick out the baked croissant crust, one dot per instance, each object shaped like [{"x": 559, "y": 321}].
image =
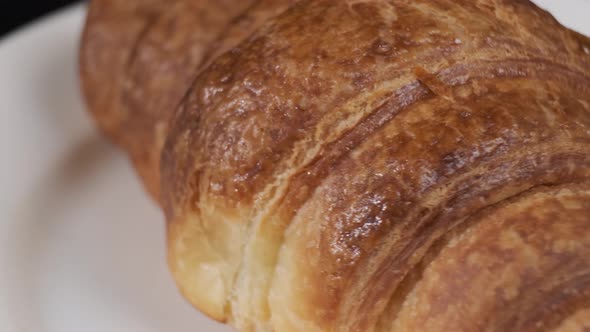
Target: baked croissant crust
[{"x": 357, "y": 165}]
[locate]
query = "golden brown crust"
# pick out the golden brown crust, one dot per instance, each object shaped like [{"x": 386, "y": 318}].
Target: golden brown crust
[
  {"x": 513, "y": 268},
  {"x": 149, "y": 54},
  {"x": 160, "y": 72},
  {"x": 359, "y": 165},
  {"x": 110, "y": 37},
  {"x": 243, "y": 26}
]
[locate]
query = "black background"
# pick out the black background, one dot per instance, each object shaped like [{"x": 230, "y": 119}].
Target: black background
[{"x": 14, "y": 14}]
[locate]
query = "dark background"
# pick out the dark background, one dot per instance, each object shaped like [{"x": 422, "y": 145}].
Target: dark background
[{"x": 21, "y": 12}]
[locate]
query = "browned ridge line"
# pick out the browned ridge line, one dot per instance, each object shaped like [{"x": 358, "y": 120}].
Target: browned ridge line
[
  {"x": 207, "y": 57},
  {"x": 312, "y": 175},
  {"x": 407, "y": 96},
  {"x": 521, "y": 71},
  {"x": 415, "y": 274},
  {"x": 150, "y": 22},
  {"x": 420, "y": 235}
]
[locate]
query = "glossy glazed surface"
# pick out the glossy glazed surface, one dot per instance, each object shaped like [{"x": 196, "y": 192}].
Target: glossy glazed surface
[{"x": 318, "y": 173}]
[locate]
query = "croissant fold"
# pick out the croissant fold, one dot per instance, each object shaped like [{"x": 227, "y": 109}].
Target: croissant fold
[{"x": 357, "y": 165}]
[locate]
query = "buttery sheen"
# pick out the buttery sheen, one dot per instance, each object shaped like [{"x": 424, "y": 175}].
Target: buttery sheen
[{"x": 357, "y": 165}]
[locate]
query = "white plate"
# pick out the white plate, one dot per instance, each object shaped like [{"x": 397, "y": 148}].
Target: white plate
[{"x": 81, "y": 245}]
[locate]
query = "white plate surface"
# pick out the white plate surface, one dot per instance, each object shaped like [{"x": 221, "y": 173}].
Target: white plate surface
[{"x": 81, "y": 245}]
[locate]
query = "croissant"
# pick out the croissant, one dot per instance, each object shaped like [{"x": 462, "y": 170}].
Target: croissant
[{"x": 357, "y": 165}]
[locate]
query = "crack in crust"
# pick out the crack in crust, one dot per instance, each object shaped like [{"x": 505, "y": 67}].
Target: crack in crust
[{"x": 329, "y": 161}]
